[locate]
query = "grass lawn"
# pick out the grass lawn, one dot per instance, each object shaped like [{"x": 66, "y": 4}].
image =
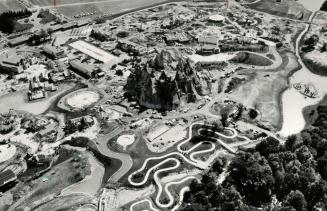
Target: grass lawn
[
  {"x": 66, "y": 202},
  {"x": 111, "y": 165},
  {"x": 284, "y": 9},
  {"x": 263, "y": 91},
  {"x": 59, "y": 177},
  {"x": 310, "y": 112},
  {"x": 251, "y": 59},
  {"x": 46, "y": 16},
  {"x": 10, "y": 6},
  {"x": 205, "y": 156}
]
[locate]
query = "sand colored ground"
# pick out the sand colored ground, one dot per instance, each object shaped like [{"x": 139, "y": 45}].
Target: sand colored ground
[
  {"x": 125, "y": 140},
  {"x": 18, "y": 101},
  {"x": 263, "y": 88},
  {"x": 111, "y": 114},
  {"x": 125, "y": 196},
  {"x": 7, "y": 151},
  {"x": 167, "y": 138},
  {"x": 27, "y": 140},
  {"x": 156, "y": 132},
  {"x": 212, "y": 58},
  {"x": 93, "y": 51},
  {"x": 91, "y": 183},
  {"x": 82, "y": 99},
  {"x": 36, "y": 70}
]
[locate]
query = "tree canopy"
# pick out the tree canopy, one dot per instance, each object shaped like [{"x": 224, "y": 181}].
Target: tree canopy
[{"x": 293, "y": 173}]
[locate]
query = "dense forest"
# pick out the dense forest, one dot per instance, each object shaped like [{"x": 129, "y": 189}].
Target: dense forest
[
  {"x": 270, "y": 176},
  {"x": 99, "y": 36},
  {"x": 324, "y": 6},
  {"x": 9, "y": 23}
]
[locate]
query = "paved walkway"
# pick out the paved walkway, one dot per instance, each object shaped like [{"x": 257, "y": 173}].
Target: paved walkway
[
  {"x": 127, "y": 162},
  {"x": 181, "y": 153}
]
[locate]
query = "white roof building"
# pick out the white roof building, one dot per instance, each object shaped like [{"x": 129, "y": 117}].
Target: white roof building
[{"x": 217, "y": 18}]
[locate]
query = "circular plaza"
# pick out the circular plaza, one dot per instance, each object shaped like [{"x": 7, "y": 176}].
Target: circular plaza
[{"x": 80, "y": 99}]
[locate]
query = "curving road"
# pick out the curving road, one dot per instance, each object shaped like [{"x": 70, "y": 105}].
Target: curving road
[
  {"x": 150, "y": 170},
  {"x": 170, "y": 197},
  {"x": 142, "y": 201},
  {"x": 126, "y": 159},
  {"x": 181, "y": 197},
  {"x": 181, "y": 152},
  {"x": 248, "y": 3},
  {"x": 192, "y": 155}
]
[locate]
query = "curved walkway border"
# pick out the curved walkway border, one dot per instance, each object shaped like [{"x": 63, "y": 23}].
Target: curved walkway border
[
  {"x": 143, "y": 201},
  {"x": 181, "y": 152}
]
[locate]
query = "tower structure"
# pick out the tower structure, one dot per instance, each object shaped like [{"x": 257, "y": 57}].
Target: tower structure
[{"x": 227, "y": 4}]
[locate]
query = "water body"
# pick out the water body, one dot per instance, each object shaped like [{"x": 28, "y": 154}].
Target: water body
[
  {"x": 312, "y": 5},
  {"x": 293, "y": 102}
]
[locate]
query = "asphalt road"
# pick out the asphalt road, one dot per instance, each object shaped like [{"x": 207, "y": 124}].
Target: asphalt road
[{"x": 127, "y": 162}]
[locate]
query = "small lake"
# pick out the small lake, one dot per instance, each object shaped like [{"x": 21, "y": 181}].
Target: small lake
[
  {"x": 312, "y": 5},
  {"x": 293, "y": 102}
]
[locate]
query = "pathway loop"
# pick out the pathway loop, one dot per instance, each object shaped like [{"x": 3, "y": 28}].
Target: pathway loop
[{"x": 181, "y": 153}]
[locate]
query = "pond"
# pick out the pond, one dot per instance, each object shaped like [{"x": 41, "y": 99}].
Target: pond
[
  {"x": 294, "y": 102},
  {"x": 312, "y": 5}
]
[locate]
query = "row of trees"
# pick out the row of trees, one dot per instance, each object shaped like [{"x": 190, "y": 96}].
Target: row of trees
[
  {"x": 9, "y": 24},
  {"x": 310, "y": 43},
  {"x": 271, "y": 176},
  {"x": 99, "y": 36},
  {"x": 324, "y": 6},
  {"x": 40, "y": 37}
]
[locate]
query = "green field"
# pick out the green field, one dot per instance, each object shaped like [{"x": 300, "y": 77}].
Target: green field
[
  {"x": 289, "y": 8},
  {"x": 70, "y": 8},
  {"x": 6, "y": 5},
  {"x": 50, "y": 2},
  {"x": 76, "y": 7}
]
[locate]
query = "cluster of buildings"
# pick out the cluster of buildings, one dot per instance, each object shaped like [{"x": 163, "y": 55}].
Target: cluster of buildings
[
  {"x": 86, "y": 70},
  {"x": 49, "y": 131},
  {"x": 23, "y": 39},
  {"x": 38, "y": 90},
  {"x": 79, "y": 123},
  {"x": 177, "y": 37},
  {"x": 54, "y": 52},
  {"x": 131, "y": 47},
  {"x": 14, "y": 64}
]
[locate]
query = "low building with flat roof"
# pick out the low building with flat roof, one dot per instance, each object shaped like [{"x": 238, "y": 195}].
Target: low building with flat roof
[
  {"x": 18, "y": 41},
  {"x": 55, "y": 28},
  {"x": 12, "y": 65},
  {"x": 6, "y": 177},
  {"x": 83, "y": 69},
  {"x": 54, "y": 51},
  {"x": 93, "y": 51},
  {"x": 213, "y": 40},
  {"x": 216, "y": 18},
  {"x": 13, "y": 60},
  {"x": 68, "y": 25}
]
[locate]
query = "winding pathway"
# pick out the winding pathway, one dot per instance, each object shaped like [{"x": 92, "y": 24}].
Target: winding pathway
[
  {"x": 170, "y": 197},
  {"x": 126, "y": 159},
  {"x": 143, "y": 201},
  {"x": 181, "y": 153}
]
